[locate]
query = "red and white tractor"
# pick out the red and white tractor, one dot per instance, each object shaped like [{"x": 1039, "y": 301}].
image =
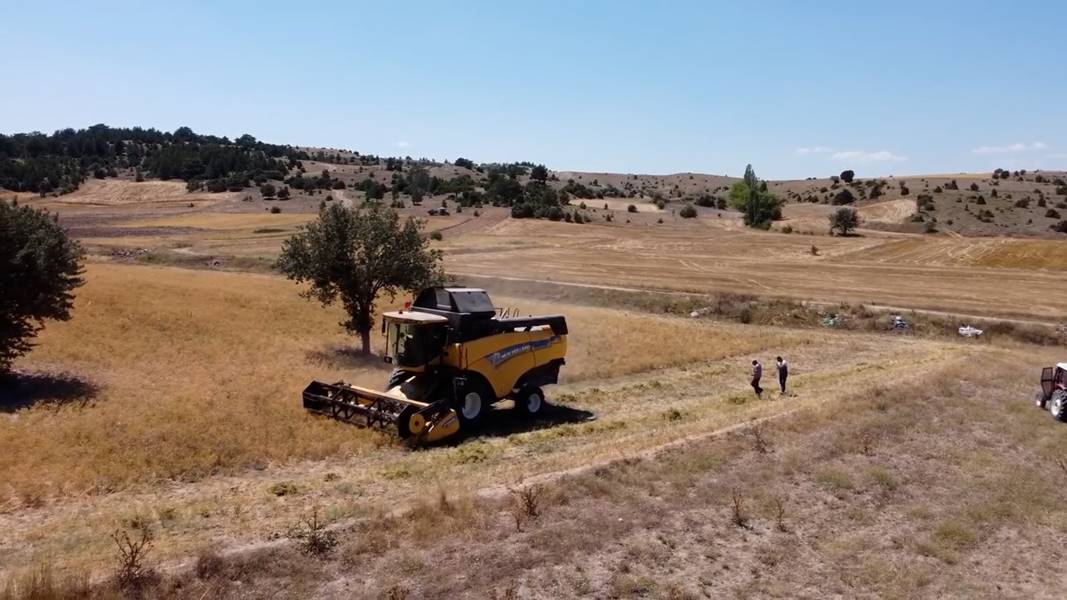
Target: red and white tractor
[{"x": 1053, "y": 394}]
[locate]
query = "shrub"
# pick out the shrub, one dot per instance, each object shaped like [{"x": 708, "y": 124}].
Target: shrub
[
  {"x": 1060, "y": 227},
  {"x": 436, "y": 236},
  {"x": 315, "y": 539},
  {"x": 1052, "y": 214},
  {"x": 844, "y": 220},
  {"x": 844, "y": 197},
  {"x": 630, "y": 208},
  {"x": 787, "y": 229},
  {"x": 275, "y": 210},
  {"x": 688, "y": 212},
  {"x": 283, "y": 488},
  {"x": 848, "y": 175},
  {"x": 1022, "y": 203}
]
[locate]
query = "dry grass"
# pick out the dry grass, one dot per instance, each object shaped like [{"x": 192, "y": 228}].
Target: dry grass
[
  {"x": 200, "y": 372},
  {"x": 928, "y": 515}
]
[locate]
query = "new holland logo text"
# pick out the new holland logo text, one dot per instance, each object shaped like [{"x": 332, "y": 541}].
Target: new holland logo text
[{"x": 501, "y": 356}]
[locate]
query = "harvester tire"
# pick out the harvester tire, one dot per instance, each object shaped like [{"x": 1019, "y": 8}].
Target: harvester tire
[
  {"x": 1039, "y": 400},
  {"x": 530, "y": 401},
  {"x": 471, "y": 405},
  {"x": 1057, "y": 405},
  {"x": 395, "y": 378}
]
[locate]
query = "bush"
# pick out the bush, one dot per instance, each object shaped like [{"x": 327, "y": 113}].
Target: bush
[
  {"x": 1060, "y": 227},
  {"x": 436, "y": 236},
  {"x": 844, "y": 197},
  {"x": 848, "y": 176},
  {"x": 688, "y": 212},
  {"x": 1052, "y": 214},
  {"x": 844, "y": 220},
  {"x": 275, "y": 210},
  {"x": 630, "y": 208}
]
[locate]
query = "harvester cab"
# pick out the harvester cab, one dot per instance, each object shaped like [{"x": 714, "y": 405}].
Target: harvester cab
[
  {"x": 452, "y": 357},
  {"x": 1053, "y": 392}
]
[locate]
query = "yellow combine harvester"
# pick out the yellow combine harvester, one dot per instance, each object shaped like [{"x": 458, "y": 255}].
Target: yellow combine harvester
[{"x": 453, "y": 358}]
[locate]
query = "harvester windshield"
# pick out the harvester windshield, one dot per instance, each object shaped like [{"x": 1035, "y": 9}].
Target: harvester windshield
[{"x": 414, "y": 342}]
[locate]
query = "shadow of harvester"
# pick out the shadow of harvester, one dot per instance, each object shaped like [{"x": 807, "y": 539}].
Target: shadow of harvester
[
  {"x": 503, "y": 420},
  {"x": 26, "y": 390}
]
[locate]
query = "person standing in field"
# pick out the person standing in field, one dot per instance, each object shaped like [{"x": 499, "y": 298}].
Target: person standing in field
[
  {"x": 757, "y": 372},
  {"x": 783, "y": 372}
]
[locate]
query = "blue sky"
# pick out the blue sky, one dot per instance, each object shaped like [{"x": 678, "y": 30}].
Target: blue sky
[{"x": 799, "y": 88}]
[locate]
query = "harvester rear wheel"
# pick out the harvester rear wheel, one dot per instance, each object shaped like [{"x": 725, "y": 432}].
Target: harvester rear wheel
[{"x": 530, "y": 401}]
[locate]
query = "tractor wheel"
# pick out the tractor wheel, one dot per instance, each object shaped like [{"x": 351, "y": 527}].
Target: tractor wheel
[
  {"x": 530, "y": 401},
  {"x": 472, "y": 404},
  {"x": 1057, "y": 405},
  {"x": 1039, "y": 400}
]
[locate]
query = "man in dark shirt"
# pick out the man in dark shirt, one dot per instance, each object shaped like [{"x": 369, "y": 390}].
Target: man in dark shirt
[
  {"x": 783, "y": 372},
  {"x": 757, "y": 372}
]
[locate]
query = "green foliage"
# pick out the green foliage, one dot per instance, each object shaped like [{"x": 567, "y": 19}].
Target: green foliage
[
  {"x": 352, "y": 256},
  {"x": 539, "y": 173},
  {"x": 39, "y": 269},
  {"x": 844, "y": 220},
  {"x": 757, "y": 205},
  {"x": 844, "y": 197},
  {"x": 60, "y": 162}
]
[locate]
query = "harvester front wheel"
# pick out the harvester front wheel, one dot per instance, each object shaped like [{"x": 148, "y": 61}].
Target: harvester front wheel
[
  {"x": 530, "y": 401},
  {"x": 1057, "y": 405},
  {"x": 471, "y": 405}
]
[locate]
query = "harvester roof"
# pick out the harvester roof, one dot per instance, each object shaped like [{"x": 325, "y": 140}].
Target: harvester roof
[
  {"x": 414, "y": 316},
  {"x": 1062, "y": 365}
]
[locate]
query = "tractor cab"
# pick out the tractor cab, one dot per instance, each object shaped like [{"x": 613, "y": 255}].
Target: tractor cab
[
  {"x": 1053, "y": 393},
  {"x": 1052, "y": 379},
  {"x": 413, "y": 339}
]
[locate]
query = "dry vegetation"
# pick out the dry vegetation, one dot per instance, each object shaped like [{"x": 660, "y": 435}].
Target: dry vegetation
[
  {"x": 900, "y": 466},
  {"x": 908, "y": 485}
]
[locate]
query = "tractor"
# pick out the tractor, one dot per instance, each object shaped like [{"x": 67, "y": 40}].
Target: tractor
[
  {"x": 1053, "y": 393},
  {"x": 453, "y": 356}
]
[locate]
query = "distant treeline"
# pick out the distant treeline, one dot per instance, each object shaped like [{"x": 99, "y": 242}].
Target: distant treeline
[{"x": 60, "y": 162}]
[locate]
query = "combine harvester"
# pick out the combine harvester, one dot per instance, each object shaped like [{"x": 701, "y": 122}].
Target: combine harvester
[{"x": 453, "y": 358}]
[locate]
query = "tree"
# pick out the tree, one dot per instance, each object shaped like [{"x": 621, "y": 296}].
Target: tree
[
  {"x": 465, "y": 163},
  {"x": 848, "y": 175},
  {"x": 758, "y": 206},
  {"x": 283, "y": 194},
  {"x": 844, "y": 220},
  {"x": 352, "y": 256},
  {"x": 539, "y": 173},
  {"x": 39, "y": 269}
]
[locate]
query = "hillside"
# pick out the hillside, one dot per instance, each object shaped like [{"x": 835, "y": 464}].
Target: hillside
[{"x": 263, "y": 175}]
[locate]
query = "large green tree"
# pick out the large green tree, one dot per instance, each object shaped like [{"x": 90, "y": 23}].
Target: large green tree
[
  {"x": 352, "y": 256},
  {"x": 758, "y": 206},
  {"x": 39, "y": 268}
]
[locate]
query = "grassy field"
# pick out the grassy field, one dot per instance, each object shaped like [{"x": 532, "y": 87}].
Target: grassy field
[{"x": 170, "y": 404}]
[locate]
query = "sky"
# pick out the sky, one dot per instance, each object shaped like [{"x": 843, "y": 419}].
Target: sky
[{"x": 796, "y": 88}]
